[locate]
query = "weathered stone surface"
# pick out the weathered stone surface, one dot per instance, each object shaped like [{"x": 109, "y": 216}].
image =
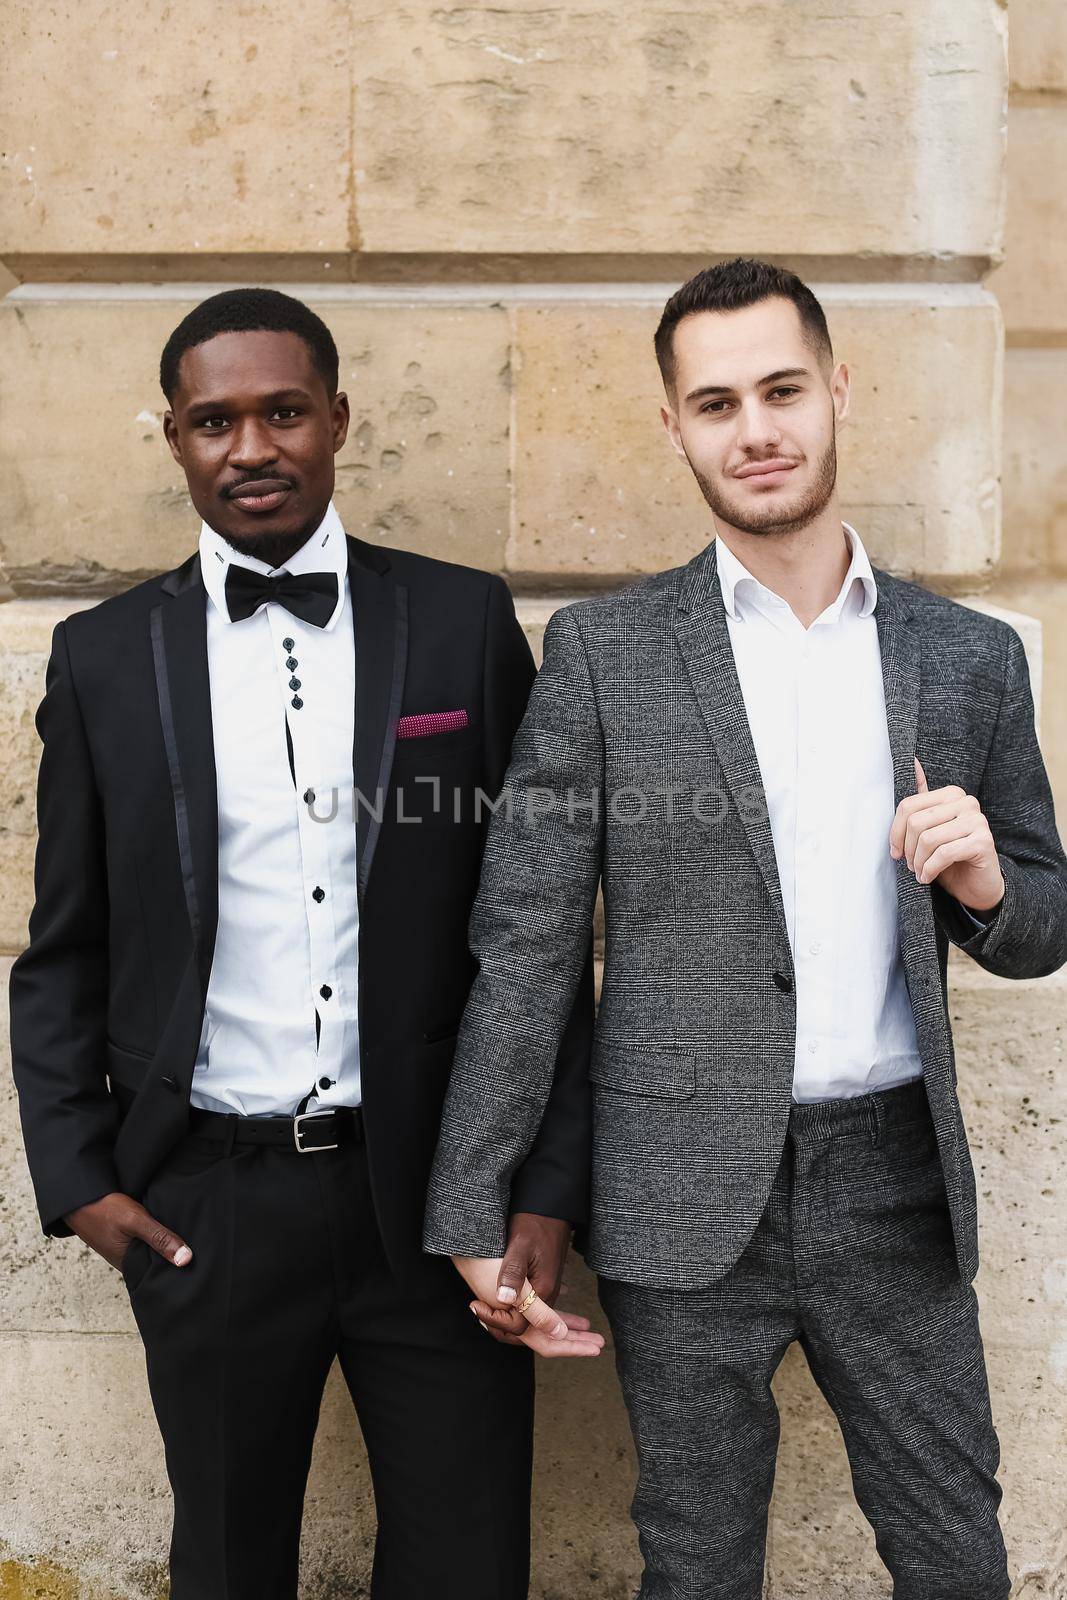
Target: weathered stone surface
[
  {"x": 1046, "y": 599},
  {"x": 1035, "y": 463},
  {"x": 91, "y": 499},
  {"x": 1037, "y": 48},
  {"x": 142, "y": 128},
  {"x": 599, "y": 492},
  {"x": 596, "y": 491},
  {"x": 522, "y": 129},
  {"x": 25, "y": 639},
  {"x": 486, "y": 130},
  {"x": 1032, "y": 284}
]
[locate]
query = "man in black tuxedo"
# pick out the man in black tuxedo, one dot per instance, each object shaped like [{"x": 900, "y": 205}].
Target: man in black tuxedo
[{"x": 262, "y": 804}]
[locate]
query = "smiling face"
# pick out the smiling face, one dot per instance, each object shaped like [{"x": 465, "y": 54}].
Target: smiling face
[
  {"x": 754, "y": 412},
  {"x": 255, "y": 430}
]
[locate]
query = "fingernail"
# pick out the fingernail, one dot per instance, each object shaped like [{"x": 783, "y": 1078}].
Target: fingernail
[
  {"x": 559, "y": 1331},
  {"x": 182, "y": 1255},
  {"x": 507, "y": 1295}
]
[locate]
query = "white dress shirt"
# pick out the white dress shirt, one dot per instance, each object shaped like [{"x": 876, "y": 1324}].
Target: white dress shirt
[
  {"x": 816, "y": 709},
  {"x": 287, "y": 940}
]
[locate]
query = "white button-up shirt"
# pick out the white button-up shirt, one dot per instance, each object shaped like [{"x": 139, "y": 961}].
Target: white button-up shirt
[
  {"x": 816, "y": 710},
  {"x": 281, "y": 1015}
]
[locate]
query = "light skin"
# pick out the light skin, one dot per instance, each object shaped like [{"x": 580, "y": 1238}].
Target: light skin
[
  {"x": 255, "y": 429},
  {"x": 753, "y": 407}
]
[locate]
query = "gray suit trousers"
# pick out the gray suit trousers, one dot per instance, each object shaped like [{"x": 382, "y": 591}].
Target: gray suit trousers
[{"x": 854, "y": 1257}]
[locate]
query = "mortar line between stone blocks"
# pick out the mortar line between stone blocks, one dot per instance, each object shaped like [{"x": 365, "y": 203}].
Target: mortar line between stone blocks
[{"x": 489, "y": 294}]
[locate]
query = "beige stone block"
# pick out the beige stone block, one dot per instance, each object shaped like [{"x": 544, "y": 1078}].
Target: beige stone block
[
  {"x": 143, "y": 129},
  {"x": 91, "y": 500},
  {"x": 671, "y": 130},
  {"x": 25, "y": 639},
  {"x": 1032, "y": 283},
  {"x": 496, "y": 132},
  {"x": 1037, "y": 46},
  {"x": 1035, "y": 463},
  {"x": 600, "y": 495},
  {"x": 1046, "y": 599}
]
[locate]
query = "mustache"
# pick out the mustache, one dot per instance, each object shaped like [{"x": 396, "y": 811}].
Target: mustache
[{"x": 257, "y": 477}]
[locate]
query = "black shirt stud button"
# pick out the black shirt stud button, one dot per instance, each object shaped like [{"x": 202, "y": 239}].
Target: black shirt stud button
[
  {"x": 291, "y": 662},
  {"x": 326, "y": 991},
  {"x": 784, "y": 982},
  {"x": 287, "y": 644},
  {"x": 294, "y": 683},
  {"x": 318, "y": 895},
  {"x": 324, "y": 1083},
  {"x": 296, "y": 702},
  {"x": 309, "y": 797}
]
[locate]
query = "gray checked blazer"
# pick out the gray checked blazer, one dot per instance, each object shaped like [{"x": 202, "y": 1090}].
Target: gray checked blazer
[{"x": 638, "y": 701}]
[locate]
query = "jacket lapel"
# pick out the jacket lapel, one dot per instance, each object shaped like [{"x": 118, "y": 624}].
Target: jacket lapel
[
  {"x": 702, "y": 634},
  {"x": 380, "y": 626},
  {"x": 183, "y": 688},
  {"x": 898, "y": 642}
]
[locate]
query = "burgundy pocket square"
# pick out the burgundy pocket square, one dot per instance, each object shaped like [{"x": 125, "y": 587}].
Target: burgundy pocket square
[{"x": 424, "y": 722}]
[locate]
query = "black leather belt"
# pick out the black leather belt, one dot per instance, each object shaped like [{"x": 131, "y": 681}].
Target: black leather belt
[{"x": 306, "y": 1133}]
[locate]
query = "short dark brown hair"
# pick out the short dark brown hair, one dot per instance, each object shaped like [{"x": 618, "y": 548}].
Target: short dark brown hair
[{"x": 730, "y": 286}]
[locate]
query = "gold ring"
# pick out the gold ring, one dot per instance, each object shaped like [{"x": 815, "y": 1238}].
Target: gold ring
[{"x": 530, "y": 1298}]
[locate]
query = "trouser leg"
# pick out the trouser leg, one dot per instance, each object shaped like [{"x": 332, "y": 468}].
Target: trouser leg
[
  {"x": 696, "y": 1369},
  {"x": 446, "y": 1413},
  {"x": 238, "y": 1345},
  {"x": 892, "y": 1337}
]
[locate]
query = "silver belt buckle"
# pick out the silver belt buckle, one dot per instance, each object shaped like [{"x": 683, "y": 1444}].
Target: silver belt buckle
[{"x": 309, "y": 1150}]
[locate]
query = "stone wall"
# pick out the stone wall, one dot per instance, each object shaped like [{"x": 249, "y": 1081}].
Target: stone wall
[{"x": 489, "y": 205}]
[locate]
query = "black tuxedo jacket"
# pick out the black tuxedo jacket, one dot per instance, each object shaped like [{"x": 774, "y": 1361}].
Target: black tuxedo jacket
[{"x": 107, "y": 1001}]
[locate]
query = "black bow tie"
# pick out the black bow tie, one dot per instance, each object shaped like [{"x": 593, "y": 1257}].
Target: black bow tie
[{"x": 312, "y": 596}]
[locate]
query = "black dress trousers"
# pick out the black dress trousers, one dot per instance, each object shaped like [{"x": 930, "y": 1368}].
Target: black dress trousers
[{"x": 287, "y": 1272}]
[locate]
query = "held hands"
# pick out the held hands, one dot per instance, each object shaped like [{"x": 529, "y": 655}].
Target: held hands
[
  {"x": 537, "y": 1247},
  {"x": 943, "y": 835},
  {"x": 109, "y": 1224}
]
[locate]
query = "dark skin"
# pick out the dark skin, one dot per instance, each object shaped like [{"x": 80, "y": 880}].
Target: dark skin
[{"x": 255, "y": 429}]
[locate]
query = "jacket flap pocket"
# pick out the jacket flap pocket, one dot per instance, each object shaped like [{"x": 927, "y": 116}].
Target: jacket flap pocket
[
  {"x": 127, "y": 1066},
  {"x": 645, "y": 1069}
]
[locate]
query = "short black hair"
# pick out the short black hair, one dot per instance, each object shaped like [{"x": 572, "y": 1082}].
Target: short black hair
[
  {"x": 730, "y": 286},
  {"x": 249, "y": 311}
]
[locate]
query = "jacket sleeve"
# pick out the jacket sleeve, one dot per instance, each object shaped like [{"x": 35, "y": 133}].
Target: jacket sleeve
[
  {"x": 59, "y": 983},
  {"x": 1026, "y": 936},
  {"x": 519, "y": 1092}
]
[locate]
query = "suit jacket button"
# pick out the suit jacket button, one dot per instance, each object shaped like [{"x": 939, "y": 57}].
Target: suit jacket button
[
  {"x": 784, "y": 982},
  {"x": 171, "y": 1083}
]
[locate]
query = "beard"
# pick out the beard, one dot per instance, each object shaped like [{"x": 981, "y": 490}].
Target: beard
[
  {"x": 275, "y": 549},
  {"x": 775, "y": 517}
]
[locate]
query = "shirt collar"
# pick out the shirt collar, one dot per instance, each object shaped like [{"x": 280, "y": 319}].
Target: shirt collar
[
  {"x": 325, "y": 551},
  {"x": 735, "y": 579}
]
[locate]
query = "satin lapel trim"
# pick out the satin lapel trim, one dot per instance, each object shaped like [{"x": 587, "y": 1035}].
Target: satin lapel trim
[
  {"x": 704, "y": 640},
  {"x": 380, "y": 627},
  {"x": 183, "y": 686}
]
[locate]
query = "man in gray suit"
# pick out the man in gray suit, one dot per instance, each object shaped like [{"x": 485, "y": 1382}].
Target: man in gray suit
[{"x": 798, "y": 779}]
